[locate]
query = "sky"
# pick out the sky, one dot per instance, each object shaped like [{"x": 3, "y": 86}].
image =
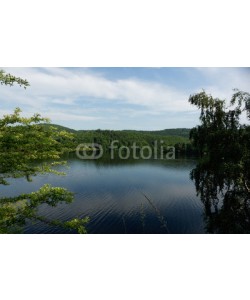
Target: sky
[{"x": 119, "y": 98}]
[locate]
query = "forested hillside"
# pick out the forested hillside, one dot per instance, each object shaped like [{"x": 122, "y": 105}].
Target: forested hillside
[
  {"x": 178, "y": 137},
  {"x": 183, "y": 132}
]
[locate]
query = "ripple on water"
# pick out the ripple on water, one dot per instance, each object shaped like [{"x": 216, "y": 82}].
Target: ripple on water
[{"x": 113, "y": 199}]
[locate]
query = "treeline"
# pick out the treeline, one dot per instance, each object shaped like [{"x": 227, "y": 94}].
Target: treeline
[
  {"x": 183, "y": 132},
  {"x": 179, "y": 138}
]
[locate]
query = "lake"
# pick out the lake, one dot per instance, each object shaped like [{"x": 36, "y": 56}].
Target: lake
[{"x": 138, "y": 196}]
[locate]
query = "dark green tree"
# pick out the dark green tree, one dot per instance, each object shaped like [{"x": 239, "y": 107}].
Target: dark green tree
[
  {"x": 220, "y": 135},
  {"x": 222, "y": 176}
]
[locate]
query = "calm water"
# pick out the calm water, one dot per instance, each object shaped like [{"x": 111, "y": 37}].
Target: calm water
[{"x": 112, "y": 195}]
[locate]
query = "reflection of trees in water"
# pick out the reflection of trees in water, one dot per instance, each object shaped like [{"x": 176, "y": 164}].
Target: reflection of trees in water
[
  {"x": 224, "y": 190},
  {"x": 222, "y": 178}
]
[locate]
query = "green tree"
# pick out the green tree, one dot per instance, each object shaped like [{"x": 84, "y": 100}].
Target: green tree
[
  {"x": 222, "y": 176},
  {"x": 28, "y": 148},
  {"x": 8, "y": 79},
  {"x": 220, "y": 135}
]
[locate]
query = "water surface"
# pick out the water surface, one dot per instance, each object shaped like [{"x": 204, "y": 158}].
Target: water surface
[{"x": 122, "y": 197}]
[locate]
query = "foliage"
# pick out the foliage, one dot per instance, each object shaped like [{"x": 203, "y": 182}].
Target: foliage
[
  {"x": 23, "y": 141},
  {"x": 243, "y": 101},
  {"x": 8, "y": 79},
  {"x": 15, "y": 210},
  {"x": 28, "y": 148},
  {"x": 222, "y": 177},
  {"x": 128, "y": 137},
  {"x": 183, "y": 132},
  {"x": 220, "y": 135}
]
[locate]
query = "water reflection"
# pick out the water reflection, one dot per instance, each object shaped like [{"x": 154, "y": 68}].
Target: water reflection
[
  {"x": 112, "y": 194},
  {"x": 224, "y": 190},
  {"x": 154, "y": 196}
]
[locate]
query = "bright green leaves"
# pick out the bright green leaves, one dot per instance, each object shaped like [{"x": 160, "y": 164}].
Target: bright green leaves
[
  {"x": 25, "y": 140},
  {"x": 15, "y": 211},
  {"x": 29, "y": 147},
  {"x": 77, "y": 224},
  {"x": 8, "y": 79}
]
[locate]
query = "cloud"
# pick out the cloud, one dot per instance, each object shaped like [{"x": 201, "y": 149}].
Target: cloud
[
  {"x": 64, "y": 86},
  {"x": 66, "y": 116},
  {"x": 222, "y": 81},
  {"x": 83, "y": 94},
  {"x": 65, "y": 101}
]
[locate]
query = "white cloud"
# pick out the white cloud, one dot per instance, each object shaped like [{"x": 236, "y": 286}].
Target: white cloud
[
  {"x": 65, "y": 101},
  {"x": 66, "y": 116},
  {"x": 64, "y": 86},
  {"x": 69, "y": 90},
  {"x": 224, "y": 80}
]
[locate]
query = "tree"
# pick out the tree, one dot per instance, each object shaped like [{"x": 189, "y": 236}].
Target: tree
[
  {"x": 25, "y": 147},
  {"x": 8, "y": 79},
  {"x": 220, "y": 135},
  {"x": 222, "y": 176}
]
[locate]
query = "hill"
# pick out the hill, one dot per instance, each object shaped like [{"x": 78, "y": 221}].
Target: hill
[
  {"x": 61, "y": 128},
  {"x": 180, "y": 132},
  {"x": 178, "y": 137},
  {"x": 183, "y": 132}
]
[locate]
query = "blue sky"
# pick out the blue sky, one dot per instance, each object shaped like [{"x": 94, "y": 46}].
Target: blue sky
[{"x": 119, "y": 98}]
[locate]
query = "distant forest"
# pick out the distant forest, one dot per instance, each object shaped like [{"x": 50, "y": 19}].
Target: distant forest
[{"x": 178, "y": 137}]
